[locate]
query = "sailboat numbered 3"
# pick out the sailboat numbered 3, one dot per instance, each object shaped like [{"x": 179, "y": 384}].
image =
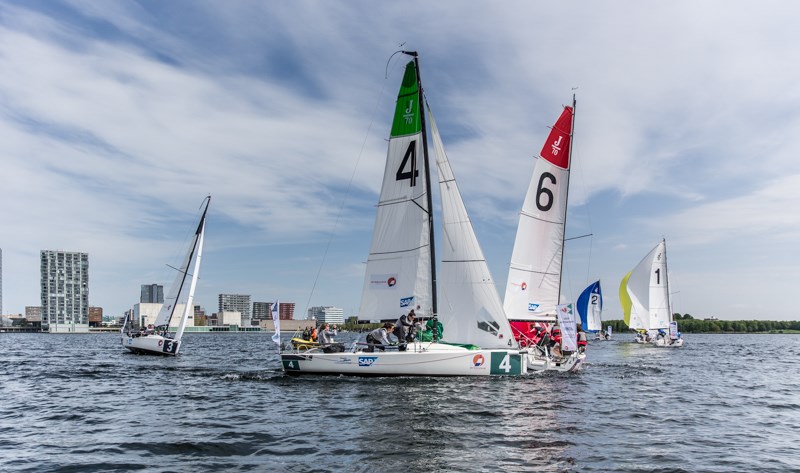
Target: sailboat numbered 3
[
  {"x": 506, "y": 363},
  {"x": 170, "y": 346}
]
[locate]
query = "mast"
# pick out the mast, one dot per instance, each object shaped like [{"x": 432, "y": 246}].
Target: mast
[
  {"x": 427, "y": 184},
  {"x": 197, "y": 235},
  {"x": 195, "y": 272},
  {"x": 666, "y": 281},
  {"x": 566, "y": 199}
]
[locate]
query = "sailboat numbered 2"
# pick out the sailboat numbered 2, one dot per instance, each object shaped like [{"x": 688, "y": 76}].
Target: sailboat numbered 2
[{"x": 506, "y": 363}]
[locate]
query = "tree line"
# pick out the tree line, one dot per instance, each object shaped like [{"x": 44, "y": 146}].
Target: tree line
[{"x": 688, "y": 324}]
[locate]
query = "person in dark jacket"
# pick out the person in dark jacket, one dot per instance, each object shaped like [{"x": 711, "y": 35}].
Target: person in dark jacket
[{"x": 404, "y": 327}]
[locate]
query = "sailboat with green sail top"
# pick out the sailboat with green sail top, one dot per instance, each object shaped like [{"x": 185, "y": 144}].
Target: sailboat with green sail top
[{"x": 401, "y": 271}]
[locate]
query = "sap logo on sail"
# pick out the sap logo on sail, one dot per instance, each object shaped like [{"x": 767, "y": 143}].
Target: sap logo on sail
[
  {"x": 382, "y": 281},
  {"x": 367, "y": 360},
  {"x": 532, "y": 307},
  {"x": 409, "y": 113},
  {"x": 406, "y": 301},
  {"x": 557, "y": 146}
]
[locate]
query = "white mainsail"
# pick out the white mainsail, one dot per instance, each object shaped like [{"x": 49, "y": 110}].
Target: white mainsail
[
  {"x": 534, "y": 277},
  {"x": 398, "y": 272},
  {"x": 469, "y": 306},
  {"x": 648, "y": 291},
  {"x": 172, "y": 299}
]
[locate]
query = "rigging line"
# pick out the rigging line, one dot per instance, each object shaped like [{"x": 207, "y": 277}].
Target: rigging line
[{"x": 347, "y": 191}]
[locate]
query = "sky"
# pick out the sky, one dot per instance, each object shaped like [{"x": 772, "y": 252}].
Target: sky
[{"x": 117, "y": 118}]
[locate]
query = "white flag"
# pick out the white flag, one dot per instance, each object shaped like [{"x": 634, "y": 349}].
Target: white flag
[
  {"x": 277, "y": 321},
  {"x": 569, "y": 333}
]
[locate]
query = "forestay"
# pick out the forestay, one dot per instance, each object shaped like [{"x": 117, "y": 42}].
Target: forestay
[{"x": 469, "y": 306}]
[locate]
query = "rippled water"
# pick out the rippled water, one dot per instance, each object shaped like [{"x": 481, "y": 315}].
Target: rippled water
[{"x": 81, "y": 403}]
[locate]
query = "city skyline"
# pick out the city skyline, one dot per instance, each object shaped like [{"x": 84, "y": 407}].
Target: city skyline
[{"x": 128, "y": 114}]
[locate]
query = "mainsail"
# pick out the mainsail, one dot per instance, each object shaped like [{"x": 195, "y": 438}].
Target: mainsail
[
  {"x": 644, "y": 292},
  {"x": 534, "y": 276},
  {"x": 469, "y": 306},
  {"x": 590, "y": 307},
  {"x": 399, "y": 272},
  {"x": 172, "y": 301}
]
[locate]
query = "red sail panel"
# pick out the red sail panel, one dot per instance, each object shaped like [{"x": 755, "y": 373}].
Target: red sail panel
[{"x": 556, "y": 148}]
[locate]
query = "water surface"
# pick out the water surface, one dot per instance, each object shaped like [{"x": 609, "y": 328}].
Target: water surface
[{"x": 722, "y": 403}]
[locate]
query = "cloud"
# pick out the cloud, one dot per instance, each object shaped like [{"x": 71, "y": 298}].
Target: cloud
[{"x": 116, "y": 119}]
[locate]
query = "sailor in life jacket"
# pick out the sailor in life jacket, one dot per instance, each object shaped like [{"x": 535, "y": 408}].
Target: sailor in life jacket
[{"x": 581, "y": 339}]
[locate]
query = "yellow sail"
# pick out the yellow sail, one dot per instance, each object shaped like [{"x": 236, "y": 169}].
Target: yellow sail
[{"x": 625, "y": 299}]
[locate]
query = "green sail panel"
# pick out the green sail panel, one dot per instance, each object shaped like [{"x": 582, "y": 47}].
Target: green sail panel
[{"x": 407, "y": 114}]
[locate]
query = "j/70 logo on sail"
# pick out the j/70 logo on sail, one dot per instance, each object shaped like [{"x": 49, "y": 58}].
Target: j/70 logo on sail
[
  {"x": 409, "y": 114},
  {"x": 557, "y": 146}
]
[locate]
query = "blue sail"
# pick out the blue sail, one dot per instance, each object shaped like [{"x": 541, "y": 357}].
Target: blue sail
[{"x": 590, "y": 306}]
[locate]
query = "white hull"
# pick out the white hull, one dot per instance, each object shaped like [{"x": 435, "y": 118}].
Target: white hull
[
  {"x": 421, "y": 359},
  {"x": 667, "y": 343},
  {"x": 539, "y": 362},
  {"x": 151, "y": 345}
]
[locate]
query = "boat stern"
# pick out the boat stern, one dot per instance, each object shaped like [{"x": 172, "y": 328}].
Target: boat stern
[{"x": 151, "y": 344}]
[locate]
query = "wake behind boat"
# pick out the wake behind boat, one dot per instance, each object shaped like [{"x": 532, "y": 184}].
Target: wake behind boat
[
  {"x": 157, "y": 339},
  {"x": 401, "y": 272}
]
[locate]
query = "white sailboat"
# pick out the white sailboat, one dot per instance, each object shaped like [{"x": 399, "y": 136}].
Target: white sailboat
[
  {"x": 533, "y": 289},
  {"x": 644, "y": 295},
  {"x": 401, "y": 274},
  {"x": 157, "y": 339}
]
